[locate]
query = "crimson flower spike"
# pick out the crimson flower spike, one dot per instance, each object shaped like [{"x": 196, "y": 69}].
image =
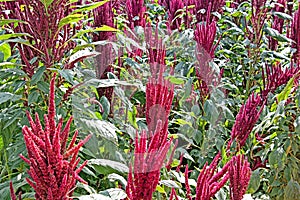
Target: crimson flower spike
[
  {"x": 104, "y": 15},
  {"x": 245, "y": 120},
  {"x": 208, "y": 7},
  {"x": 239, "y": 173},
  {"x": 209, "y": 182},
  {"x": 204, "y": 35},
  {"x": 172, "y": 7},
  {"x": 136, "y": 13},
  {"x": 295, "y": 36},
  {"x": 148, "y": 160},
  {"x": 49, "y": 40},
  {"x": 277, "y": 23},
  {"x": 275, "y": 76},
  {"x": 52, "y": 165}
]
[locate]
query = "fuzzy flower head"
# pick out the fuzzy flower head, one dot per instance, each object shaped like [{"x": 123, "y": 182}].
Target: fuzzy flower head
[{"x": 53, "y": 164}]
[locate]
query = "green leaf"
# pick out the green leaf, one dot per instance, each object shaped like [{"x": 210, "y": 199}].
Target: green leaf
[
  {"x": 254, "y": 181},
  {"x": 276, "y": 35},
  {"x": 292, "y": 191},
  {"x": 13, "y": 35},
  {"x": 105, "y": 166},
  {"x": 283, "y": 15},
  {"x": 8, "y": 21},
  {"x": 114, "y": 193},
  {"x": 89, "y": 7},
  {"x": 176, "y": 81},
  {"x": 94, "y": 197},
  {"x": 46, "y": 3},
  {"x": 286, "y": 91},
  {"x": 70, "y": 19},
  {"x": 102, "y": 28},
  {"x": 38, "y": 75},
  {"x": 104, "y": 129},
  {"x": 33, "y": 97},
  {"x": 5, "y": 49},
  {"x": 6, "y": 96},
  {"x": 169, "y": 183}
]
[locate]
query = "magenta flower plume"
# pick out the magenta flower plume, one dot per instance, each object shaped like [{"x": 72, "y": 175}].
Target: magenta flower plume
[
  {"x": 245, "y": 120},
  {"x": 104, "y": 15},
  {"x": 209, "y": 182},
  {"x": 172, "y": 7},
  {"x": 149, "y": 156},
  {"x": 204, "y": 35},
  {"x": 53, "y": 165},
  {"x": 49, "y": 40},
  {"x": 295, "y": 36},
  {"x": 240, "y": 173},
  {"x": 277, "y": 23},
  {"x": 136, "y": 13},
  {"x": 275, "y": 76},
  {"x": 207, "y": 7}
]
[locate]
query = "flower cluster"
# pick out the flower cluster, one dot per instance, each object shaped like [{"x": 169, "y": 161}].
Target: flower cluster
[
  {"x": 136, "y": 13},
  {"x": 245, "y": 120},
  {"x": 275, "y": 76},
  {"x": 53, "y": 164},
  {"x": 209, "y": 182},
  {"x": 277, "y": 23},
  {"x": 172, "y": 7},
  {"x": 239, "y": 173},
  {"x": 202, "y": 7},
  {"x": 295, "y": 36},
  {"x": 150, "y": 150},
  {"x": 204, "y": 35},
  {"x": 49, "y": 41},
  {"x": 149, "y": 156},
  {"x": 104, "y": 15}
]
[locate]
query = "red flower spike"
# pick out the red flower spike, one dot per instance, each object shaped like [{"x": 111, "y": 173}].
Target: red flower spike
[
  {"x": 246, "y": 120},
  {"x": 186, "y": 179},
  {"x": 295, "y": 36},
  {"x": 53, "y": 175},
  {"x": 239, "y": 173}
]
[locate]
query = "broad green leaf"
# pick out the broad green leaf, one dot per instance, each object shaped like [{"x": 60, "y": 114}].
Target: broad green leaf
[
  {"x": 104, "y": 129},
  {"x": 70, "y": 19},
  {"x": 5, "y": 49},
  {"x": 102, "y": 28},
  {"x": 8, "y": 21},
  {"x": 117, "y": 177},
  {"x": 105, "y": 166},
  {"x": 89, "y": 7},
  {"x": 6, "y": 96},
  {"x": 94, "y": 197},
  {"x": 176, "y": 81},
  {"x": 283, "y": 95},
  {"x": 33, "y": 97},
  {"x": 275, "y": 34},
  {"x": 46, "y": 3},
  {"x": 254, "y": 181},
  {"x": 13, "y": 35},
  {"x": 292, "y": 191},
  {"x": 169, "y": 183},
  {"x": 283, "y": 15},
  {"x": 38, "y": 75},
  {"x": 114, "y": 193}
]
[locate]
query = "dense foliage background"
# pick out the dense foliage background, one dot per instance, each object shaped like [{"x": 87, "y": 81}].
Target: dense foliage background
[{"x": 202, "y": 83}]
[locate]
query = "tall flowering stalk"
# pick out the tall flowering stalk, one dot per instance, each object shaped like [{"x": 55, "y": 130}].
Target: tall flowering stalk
[
  {"x": 276, "y": 76},
  {"x": 53, "y": 164},
  {"x": 172, "y": 7},
  {"x": 239, "y": 173},
  {"x": 104, "y": 15},
  {"x": 209, "y": 182},
  {"x": 295, "y": 36},
  {"x": 149, "y": 156},
  {"x": 204, "y": 35},
  {"x": 202, "y": 7},
  {"x": 245, "y": 120},
  {"x": 151, "y": 149},
  {"x": 49, "y": 41},
  {"x": 136, "y": 13},
  {"x": 277, "y": 23}
]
